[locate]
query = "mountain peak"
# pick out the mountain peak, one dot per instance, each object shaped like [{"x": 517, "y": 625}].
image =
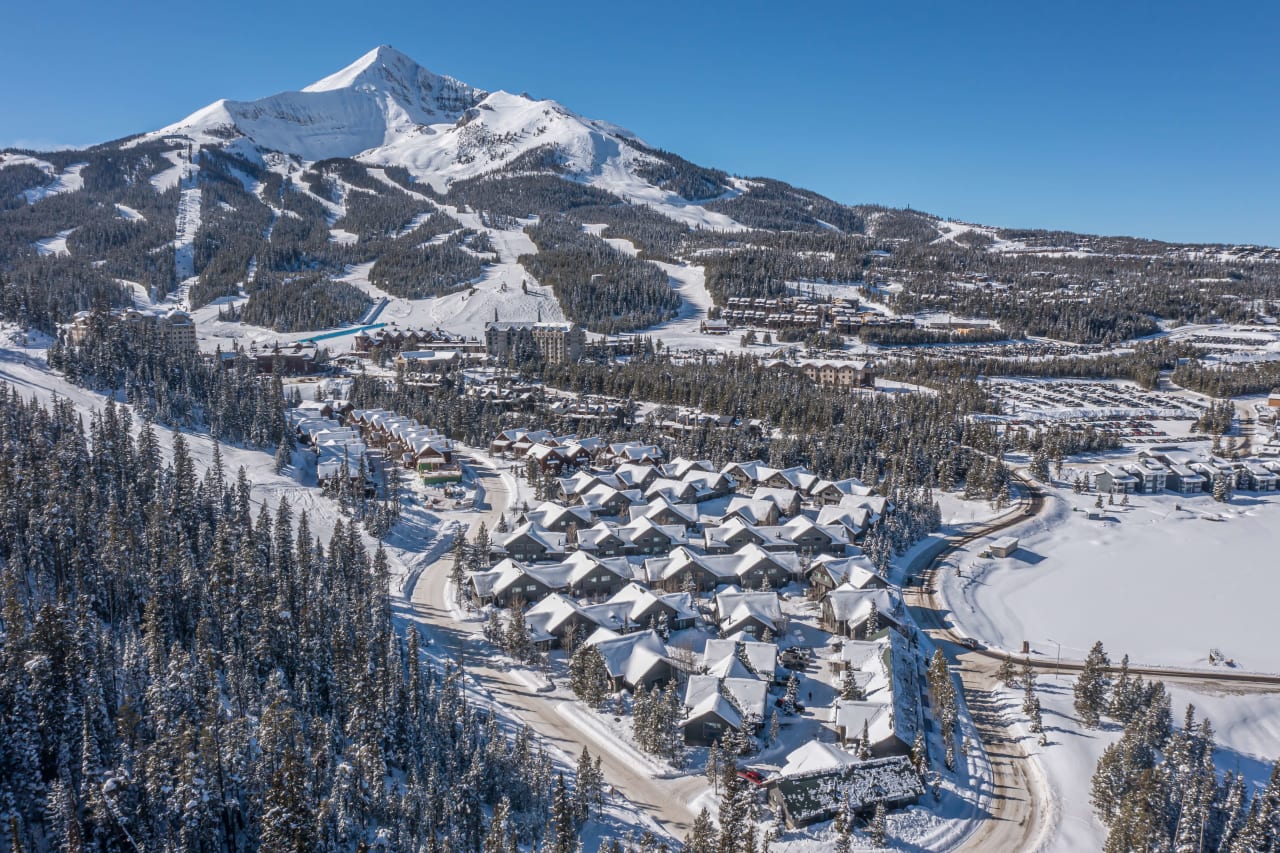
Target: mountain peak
[{"x": 380, "y": 66}]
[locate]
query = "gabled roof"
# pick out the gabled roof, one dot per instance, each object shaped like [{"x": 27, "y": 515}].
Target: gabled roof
[
  {"x": 591, "y": 538},
  {"x": 597, "y": 496},
  {"x": 548, "y": 513},
  {"x": 857, "y": 572},
  {"x": 802, "y": 525},
  {"x": 815, "y": 756},
  {"x": 783, "y": 498},
  {"x": 554, "y": 576},
  {"x": 553, "y": 542},
  {"x": 762, "y": 657},
  {"x": 661, "y": 503},
  {"x": 765, "y": 606},
  {"x": 852, "y": 605},
  {"x": 680, "y": 466},
  {"x": 746, "y": 558},
  {"x": 750, "y": 510},
  {"x": 847, "y": 486},
  {"x": 875, "y": 503},
  {"x": 549, "y": 616},
  {"x": 584, "y": 480},
  {"x": 705, "y": 480},
  {"x": 629, "y": 656},
  {"x": 634, "y": 475},
  {"x": 635, "y": 529},
  {"x": 730, "y": 666},
  {"x": 674, "y": 489},
  {"x": 640, "y": 601},
  {"x": 713, "y": 704},
  {"x": 855, "y": 519},
  {"x": 719, "y": 536},
  {"x": 747, "y": 696}
]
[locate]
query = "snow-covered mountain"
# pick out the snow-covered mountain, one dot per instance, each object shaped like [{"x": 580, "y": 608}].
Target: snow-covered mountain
[
  {"x": 388, "y": 188},
  {"x": 385, "y": 109}
]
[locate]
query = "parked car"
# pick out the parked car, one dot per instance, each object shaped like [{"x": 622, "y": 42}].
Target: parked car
[
  {"x": 755, "y": 777},
  {"x": 795, "y": 658},
  {"x": 969, "y": 642}
]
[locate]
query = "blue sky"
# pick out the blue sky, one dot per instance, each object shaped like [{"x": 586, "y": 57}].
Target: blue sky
[{"x": 1159, "y": 120}]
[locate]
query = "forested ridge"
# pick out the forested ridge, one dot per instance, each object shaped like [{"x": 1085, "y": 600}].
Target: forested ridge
[
  {"x": 257, "y": 225},
  {"x": 173, "y": 386},
  {"x": 181, "y": 668},
  {"x": 597, "y": 285}
]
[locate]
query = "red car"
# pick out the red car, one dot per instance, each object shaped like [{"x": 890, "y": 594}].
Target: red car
[{"x": 755, "y": 777}]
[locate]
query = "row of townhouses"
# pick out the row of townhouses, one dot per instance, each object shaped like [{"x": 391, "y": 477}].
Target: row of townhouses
[
  {"x": 413, "y": 445},
  {"x": 1186, "y": 473}
]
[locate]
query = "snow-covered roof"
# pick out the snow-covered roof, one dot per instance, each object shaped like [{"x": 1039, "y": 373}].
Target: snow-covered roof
[
  {"x": 857, "y": 572},
  {"x": 856, "y": 519},
  {"x": 852, "y": 605},
  {"x": 549, "y": 513},
  {"x": 736, "y": 608},
  {"x": 820, "y": 794},
  {"x": 553, "y": 542},
  {"x": 630, "y": 657},
  {"x": 785, "y": 499},
  {"x": 750, "y": 510},
  {"x": 816, "y": 756},
  {"x": 847, "y": 486},
  {"x": 748, "y": 696}
]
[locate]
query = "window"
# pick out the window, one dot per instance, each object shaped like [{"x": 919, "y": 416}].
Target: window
[{"x": 533, "y": 587}]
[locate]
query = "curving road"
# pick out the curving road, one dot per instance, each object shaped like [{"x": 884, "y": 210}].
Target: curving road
[
  {"x": 1018, "y": 818},
  {"x": 665, "y": 800}
]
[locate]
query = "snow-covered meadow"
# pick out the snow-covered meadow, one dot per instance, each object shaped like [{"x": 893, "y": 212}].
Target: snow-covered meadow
[{"x": 1164, "y": 579}]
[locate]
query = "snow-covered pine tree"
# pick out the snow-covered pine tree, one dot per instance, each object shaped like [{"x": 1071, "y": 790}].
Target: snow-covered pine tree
[
  {"x": 1091, "y": 686},
  {"x": 879, "y": 828},
  {"x": 792, "y": 695}
]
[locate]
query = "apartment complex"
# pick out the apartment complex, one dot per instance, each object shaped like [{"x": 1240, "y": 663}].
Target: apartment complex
[
  {"x": 176, "y": 328},
  {"x": 557, "y": 343}
]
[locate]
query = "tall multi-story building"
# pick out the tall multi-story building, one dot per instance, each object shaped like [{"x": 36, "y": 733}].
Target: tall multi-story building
[
  {"x": 557, "y": 343},
  {"x": 848, "y": 374},
  {"x": 175, "y": 328}
]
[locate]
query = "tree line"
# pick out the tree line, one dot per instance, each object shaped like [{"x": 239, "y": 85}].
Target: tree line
[{"x": 181, "y": 668}]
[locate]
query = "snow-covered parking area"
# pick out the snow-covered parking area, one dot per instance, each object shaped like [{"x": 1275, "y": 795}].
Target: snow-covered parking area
[{"x": 1165, "y": 584}]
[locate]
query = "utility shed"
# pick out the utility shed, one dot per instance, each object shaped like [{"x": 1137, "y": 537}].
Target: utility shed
[
  {"x": 809, "y": 798},
  {"x": 1004, "y": 546}
]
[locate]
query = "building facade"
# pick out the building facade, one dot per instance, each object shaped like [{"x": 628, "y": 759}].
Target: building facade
[{"x": 557, "y": 343}]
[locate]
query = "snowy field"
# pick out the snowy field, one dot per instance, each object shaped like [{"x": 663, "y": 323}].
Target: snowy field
[{"x": 1163, "y": 584}]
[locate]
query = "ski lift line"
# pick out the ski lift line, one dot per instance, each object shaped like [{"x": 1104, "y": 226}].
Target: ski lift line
[{"x": 341, "y": 333}]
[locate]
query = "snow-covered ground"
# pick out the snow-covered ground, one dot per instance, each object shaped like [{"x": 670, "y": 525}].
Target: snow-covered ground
[
  {"x": 55, "y": 245},
  {"x": 67, "y": 181},
  {"x": 1247, "y": 727},
  {"x": 188, "y": 223},
  {"x": 170, "y": 177},
  {"x": 1166, "y": 580},
  {"x": 128, "y": 214}
]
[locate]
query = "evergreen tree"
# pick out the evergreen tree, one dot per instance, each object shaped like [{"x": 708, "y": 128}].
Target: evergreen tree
[
  {"x": 702, "y": 835},
  {"x": 589, "y": 676},
  {"x": 562, "y": 833},
  {"x": 1091, "y": 687},
  {"x": 879, "y": 829}
]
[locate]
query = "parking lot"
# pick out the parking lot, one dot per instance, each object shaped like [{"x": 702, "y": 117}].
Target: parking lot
[{"x": 1138, "y": 416}]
